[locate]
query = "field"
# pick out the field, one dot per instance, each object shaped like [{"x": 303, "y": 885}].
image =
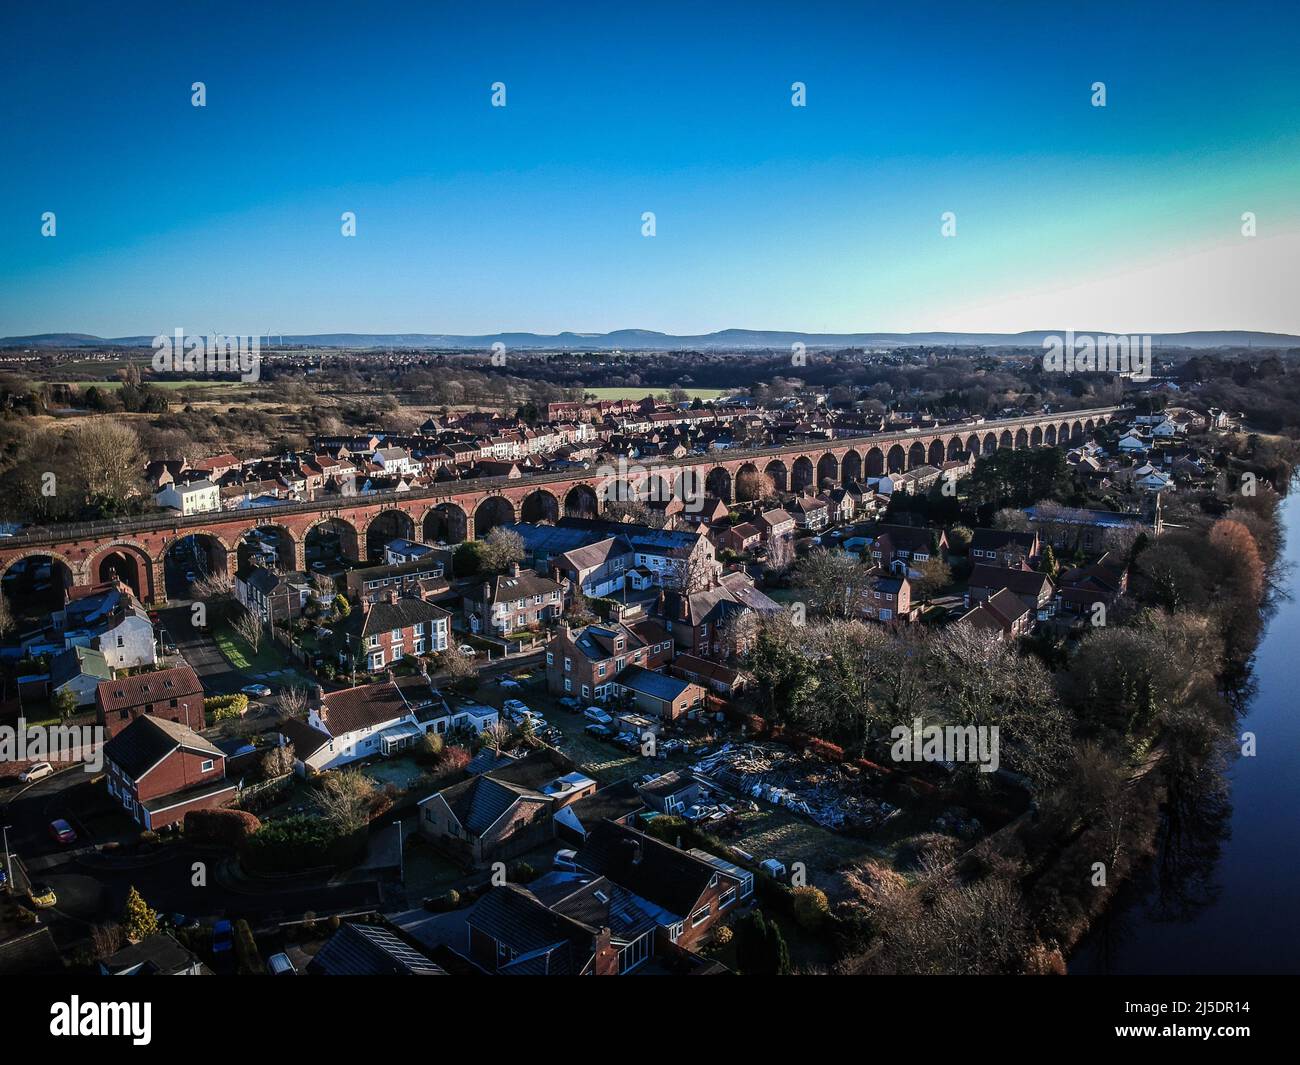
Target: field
[
  {"x": 112, "y": 386},
  {"x": 704, "y": 394}
]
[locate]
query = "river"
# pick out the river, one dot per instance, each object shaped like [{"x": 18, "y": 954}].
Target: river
[{"x": 1221, "y": 897}]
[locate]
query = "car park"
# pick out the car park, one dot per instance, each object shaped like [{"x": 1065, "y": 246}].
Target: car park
[{"x": 515, "y": 708}]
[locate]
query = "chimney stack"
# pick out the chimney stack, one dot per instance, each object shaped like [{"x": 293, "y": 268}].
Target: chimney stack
[{"x": 514, "y": 569}]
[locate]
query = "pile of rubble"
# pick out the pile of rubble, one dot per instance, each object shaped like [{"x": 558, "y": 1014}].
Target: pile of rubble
[{"x": 832, "y": 795}]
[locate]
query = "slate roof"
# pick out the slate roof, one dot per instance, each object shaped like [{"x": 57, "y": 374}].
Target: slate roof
[
  {"x": 547, "y": 943},
  {"x": 383, "y": 616},
  {"x": 1020, "y": 581},
  {"x": 368, "y": 950},
  {"x": 656, "y": 871},
  {"x": 479, "y": 802},
  {"x": 147, "y": 740}
]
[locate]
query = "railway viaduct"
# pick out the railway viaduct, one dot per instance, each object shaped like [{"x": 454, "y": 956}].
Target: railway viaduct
[{"x": 136, "y": 549}]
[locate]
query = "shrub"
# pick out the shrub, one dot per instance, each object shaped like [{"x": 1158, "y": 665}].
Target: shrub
[
  {"x": 248, "y": 961},
  {"x": 810, "y": 907},
  {"x": 225, "y": 707},
  {"x": 230, "y": 827},
  {"x": 297, "y": 842},
  {"x": 722, "y": 935}
]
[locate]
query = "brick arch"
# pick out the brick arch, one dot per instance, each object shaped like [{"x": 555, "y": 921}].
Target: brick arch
[
  {"x": 954, "y": 448},
  {"x": 491, "y": 511},
  {"x": 451, "y": 524},
  {"x": 851, "y": 466},
  {"x": 1049, "y": 437},
  {"x": 581, "y": 500},
  {"x": 1022, "y": 439},
  {"x": 75, "y": 570},
  {"x": 916, "y": 455},
  {"x": 937, "y": 454},
  {"x": 803, "y": 473},
  {"x": 539, "y": 505},
  {"x": 896, "y": 459},
  {"x": 145, "y": 585},
  {"x": 1036, "y": 436},
  {"x": 874, "y": 462},
  {"x": 828, "y": 469},
  {"x": 780, "y": 474},
  {"x": 718, "y": 483},
  {"x": 1006, "y": 439},
  {"x": 370, "y": 536}
]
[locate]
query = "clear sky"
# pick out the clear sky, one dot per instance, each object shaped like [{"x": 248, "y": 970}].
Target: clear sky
[{"x": 474, "y": 219}]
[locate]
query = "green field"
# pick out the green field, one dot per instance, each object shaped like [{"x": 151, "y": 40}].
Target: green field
[
  {"x": 111, "y": 386},
  {"x": 704, "y": 394}
]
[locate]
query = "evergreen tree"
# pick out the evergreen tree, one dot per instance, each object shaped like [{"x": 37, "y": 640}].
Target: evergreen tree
[{"x": 141, "y": 922}]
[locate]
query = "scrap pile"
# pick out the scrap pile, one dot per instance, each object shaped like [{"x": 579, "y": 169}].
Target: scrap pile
[{"x": 832, "y": 795}]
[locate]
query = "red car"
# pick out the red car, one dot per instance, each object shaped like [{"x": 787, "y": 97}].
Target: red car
[{"x": 62, "y": 832}]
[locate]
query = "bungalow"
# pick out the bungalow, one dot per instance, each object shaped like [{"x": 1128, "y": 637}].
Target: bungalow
[
  {"x": 511, "y": 932},
  {"x": 671, "y": 792},
  {"x": 159, "y": 770},
  {"x": 504, "y": 812},
  {"x": 658, "y": 694},
  {"x": 618, "y": 803}
]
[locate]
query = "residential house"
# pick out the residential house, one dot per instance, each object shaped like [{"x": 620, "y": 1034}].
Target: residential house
[
  {"x": 1004, "y": 547},
  {"x": 585, "y": 662},
  {"x": 671, "y": 792},
  {"x": 370, "y": 950},
  {"x": 694, "y": 618},
  {"x": 385, "y": 631},
  {"x": 159, "y": 770},
  {"x": 1035, "y": 589},
  {"x": 372, "y": 582},
  {"x": 398, "y": 552},
  {"x": 190, "y": 497},
  {"x": 658, "y": 694},
  {"x": 169, "y": 694},
  {"x": 1003, "y": 614},
  {"x": 690, "y": 896},
  {"x": 110, "y": 619},
  {"x": 79, "y": 670},
  {"x": 715, "y": 676},
  {"x": 160, "y": 954},
  {"x": 889, "y": 599},
  {"x": 618, "y": 802},
  {"x": 272, "y": 596},
  {"x": 904, "y": 547},
  {"x": 514, "y": 601}
]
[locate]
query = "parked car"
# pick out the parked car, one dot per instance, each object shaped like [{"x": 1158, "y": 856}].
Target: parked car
[
  {"x": 507, "y": 682},
  {"x": 223, "y": 937},
  {"x": 280, "y": 965},
  {"x": 598, "y": 730},
  {"x": 62, "y": 832},
  {"x": 570, "y": 704},
  {"x": 319, "y": 567},
  {"x": 628, "y": 741},
  {"x": 36, "y": 771},
  {"x": 42, "y": 895},
  {"x": 256, "y": 691},
  {"x": 596, "y": 714},
  {"x": 515, "y": 708},
  {"x": 467, "y": 650}
]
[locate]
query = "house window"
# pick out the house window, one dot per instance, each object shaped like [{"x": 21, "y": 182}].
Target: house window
[
  {"x": 550, "y": 658},
  {"x": 586, "y": 691},
  {"x": 205, "y": 766},
  {"x": 568, "y": 684},
  {"x": 728, "y": 897},
  {"x": 701, "y": 915}
]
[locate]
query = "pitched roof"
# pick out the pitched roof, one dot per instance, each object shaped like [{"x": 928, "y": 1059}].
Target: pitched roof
[
  {"x": 144, "y": 688},
  {"x": 546, "y": 943},
  {"x": 368, "y": 950},
  {"x": 362, "y": 707},
  {"x": 1020, "y": 581},
  {"x": 479, "y": 802},
  {"x": 147, "y": 740},
  {"x": 657, "y": 871}
]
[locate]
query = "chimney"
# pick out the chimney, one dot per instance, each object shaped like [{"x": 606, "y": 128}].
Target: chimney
[
  {"x": 391, "y": 593},
  {"x": 514, "y": 569}
]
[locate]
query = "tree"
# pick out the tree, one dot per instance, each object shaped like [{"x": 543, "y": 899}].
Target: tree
[
  {"x": 760, "y": 947},
  {"x": 1011, "y": 519},
  {"x": 345, "y": 798},
  {"x": 294, "y": 701},
  {"x": 835, "y": 582},
  {"x": 466, "y": 560},
  {"x": 106, "y": 940},
  {"x": 108, "y": 461},
  {"x": 277, "y": 761},
  {"x": 500, "y": 548},
  {"x": 140, "y": 922},
  {"x": 457, "y": 667},
  {"x": 341, "y": 606},
  {"x": 754, "y": 485},
  {"x": 6, "y": 617},
  {"x": 780, "y": 553},
  {"x": 64, "y": 703},
  {"x": 496, "y": 735},
  {"x": 935, "y": 576},
  {"x": 1049, "y": 565},
  {"x": 249, "y": 626},
  {"x": 810, "y": 907}
]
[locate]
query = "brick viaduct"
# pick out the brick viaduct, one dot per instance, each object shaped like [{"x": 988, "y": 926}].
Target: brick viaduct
[{"x": 136, "y": 548}]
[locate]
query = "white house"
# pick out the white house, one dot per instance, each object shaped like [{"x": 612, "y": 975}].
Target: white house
[
  {"x": 397, "y": 552},
  {"x": 395, "y": 460},
  {"x": 113, "y": 622},
  {"x": 196, "y": 497}
]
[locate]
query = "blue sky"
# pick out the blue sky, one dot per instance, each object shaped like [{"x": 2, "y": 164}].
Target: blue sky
[{"x": 474, "y": 219}]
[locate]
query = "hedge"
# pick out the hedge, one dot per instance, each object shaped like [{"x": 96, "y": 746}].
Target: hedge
[{"x": 230, "y": 827}]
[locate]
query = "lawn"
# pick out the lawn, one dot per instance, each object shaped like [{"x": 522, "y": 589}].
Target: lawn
[
  {"x": 640, "y": 392},
  {"x": 770, "y": 832},
  {"x": 235, "y": 650}
]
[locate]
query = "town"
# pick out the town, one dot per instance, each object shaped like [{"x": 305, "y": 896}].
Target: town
[{"x": 507, "y": 695}]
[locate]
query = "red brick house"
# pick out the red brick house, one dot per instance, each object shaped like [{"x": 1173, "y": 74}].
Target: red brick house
[
  {"x": 1034, "y": 588},
  {"x": 171, "y": 694},
  {"x": 584, "y": 662},
  {"x": 391, "y": 628},
  {"x": 1004, "y": 614},
  {"x": 159, "y": 770},
  {"x": 739, "y": 538},
  {"x": 691, "y": 894},
  {"x": 1004, "y": 547},
  {"x": 889, "y": 599}
]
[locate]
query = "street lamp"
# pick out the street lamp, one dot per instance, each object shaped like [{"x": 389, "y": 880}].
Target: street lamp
[
  {"x": 9, "y": 872},
  {"x": 401, "y": 856}
]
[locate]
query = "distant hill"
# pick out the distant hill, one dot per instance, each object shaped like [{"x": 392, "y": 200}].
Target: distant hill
[{"x": 648, "y": 340}]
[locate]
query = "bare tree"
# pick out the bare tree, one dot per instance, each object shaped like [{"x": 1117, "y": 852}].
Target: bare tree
[
  {"x": 294, "y": 701},
  {"x": 500, "y": 548},
  {"x": 780, "y": 553},
  {"x": 278, "y": 761},
  {"x": 107, "y": 459},
  {"x": 344, "y": 798},
  {"x": 496, "y": 735},
  {"x": 249, "y": 626}
]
